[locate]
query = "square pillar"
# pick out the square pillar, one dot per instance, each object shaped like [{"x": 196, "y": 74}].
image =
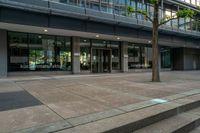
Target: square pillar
[
  {"x": 124, "y": 56},
  {"x": 3, "y": 53},
  {"x": 75, "y": 55}
]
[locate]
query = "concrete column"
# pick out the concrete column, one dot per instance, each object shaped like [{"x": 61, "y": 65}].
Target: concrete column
[
  {"x": 124, "y": 57},
  {"x": 75, "y": 55},
  {"x": 3, "y": 53}
]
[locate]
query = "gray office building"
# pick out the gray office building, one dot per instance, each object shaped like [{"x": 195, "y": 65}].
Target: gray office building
[{"x": 93, "y": 36}]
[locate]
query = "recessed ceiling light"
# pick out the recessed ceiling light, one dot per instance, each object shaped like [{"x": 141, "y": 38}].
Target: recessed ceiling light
[
  {"x": 118, "y": 38},
  {"x": 97, "y": 36},
  {"x": 45, "y": 30}
]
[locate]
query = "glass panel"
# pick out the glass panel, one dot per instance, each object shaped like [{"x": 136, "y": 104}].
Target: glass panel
[
  {"x": 107, "y": 6},
  {"x": 38, "y": 52},
  {"x": 18, "y": 51},
  {"x": 93, "y": 4},
  {"x": 85, "y": 54},
  {"x": 141, "y": 6},
  {"x": 63, "y": 53},
  {"x": 175, "y": 21},
  {"x": 99, "y": 43},
  {"x": 165, "y": 57},
  {"x": 115, "y": 55},
  {"x": 168, "y": 14},
  {"x": 187, "y": 24},
  {"x": 182, "y": 23},
  {"x": 100, "y": 60},
  {"x": 132, "y": 4},
  {"x": 134, "y": 59},
  {"x": 146, "y": 57},
  {"x": 120, "y": 7},
  {"x": 41, "y": 52}
]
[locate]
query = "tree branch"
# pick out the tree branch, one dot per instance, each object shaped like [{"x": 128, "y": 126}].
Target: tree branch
[
  {"x": 132, "y": 10},
  {"x": 164, "y": 20}
]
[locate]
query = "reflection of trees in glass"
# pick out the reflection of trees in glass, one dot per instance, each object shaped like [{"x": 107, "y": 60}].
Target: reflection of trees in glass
[
  {"x": 85, "y": 58},
  {"x": 196, "y": 25},
  {"x": 36, "y": 57},
  {"x": 65, "y": 59}
]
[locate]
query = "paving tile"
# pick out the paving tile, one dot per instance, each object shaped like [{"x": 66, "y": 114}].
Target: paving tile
[
  {"x": 17, "y": 99},
  {"x": 26, "y": 117},
  {"x": 77, "y": 108},
  {"x": 48, "y": 128}
]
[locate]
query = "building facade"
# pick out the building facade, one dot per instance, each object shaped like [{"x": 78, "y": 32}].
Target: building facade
[{"x": 93, "y": 36}]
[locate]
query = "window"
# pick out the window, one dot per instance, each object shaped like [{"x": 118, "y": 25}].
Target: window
[
  {"x": 139, "y": 56},
  {"x": 36, "y": 52},
  {"x": 175, "y": 21},
  {"x": 18, "y": 51},
  {"x": 115, "y": 47},
  {"x": 168, "y": 14},
  {"x": 165, "y": 57},
  {"x": 85, "y": 54},
  {"x": 134, "y": 59}
]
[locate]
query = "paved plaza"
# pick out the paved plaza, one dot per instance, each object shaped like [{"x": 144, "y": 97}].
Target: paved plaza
[{"x": 28, "y": 102}]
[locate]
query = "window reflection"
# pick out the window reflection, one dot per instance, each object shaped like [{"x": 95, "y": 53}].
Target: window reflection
[
  {"x": 18, "y": 50},
  {"x": 115, "y": 47},
  {"x": 165, "y": 57},
  {"x": 119, "y": 7},
  {"x": 43, "y": 53},
  {"x": 85, "y": 54},
  {"x": 139, "y": 56}
]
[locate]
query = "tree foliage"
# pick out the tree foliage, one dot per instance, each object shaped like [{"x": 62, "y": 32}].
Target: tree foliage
[
  {"x": 182, "y": 13},
  {"x": 156, "y": 22}
]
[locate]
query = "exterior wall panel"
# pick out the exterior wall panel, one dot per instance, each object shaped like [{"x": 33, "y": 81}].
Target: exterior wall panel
[
  {"x": 3, "y": 53},
  {"x": 23, "y": 17}
]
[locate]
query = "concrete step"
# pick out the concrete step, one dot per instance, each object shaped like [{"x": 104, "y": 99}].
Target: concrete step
[
  {"x": 197, "y": 130},
  {"x": 181, "y": 123},
  {"x": 129, "y": 118},
  {"x": 138, "y": 119}
]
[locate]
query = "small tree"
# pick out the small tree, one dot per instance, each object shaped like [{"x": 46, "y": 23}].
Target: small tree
[{"x": 157, "y": 22}]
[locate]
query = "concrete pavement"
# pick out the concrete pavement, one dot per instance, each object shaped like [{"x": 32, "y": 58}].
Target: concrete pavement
[{"x": 36, "y": 101}]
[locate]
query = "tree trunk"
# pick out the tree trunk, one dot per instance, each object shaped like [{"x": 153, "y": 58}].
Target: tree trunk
[{"x": 155, "y": 48}]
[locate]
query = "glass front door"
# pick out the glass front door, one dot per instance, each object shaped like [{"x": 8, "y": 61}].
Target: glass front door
[{"x": 101, "y": 60}]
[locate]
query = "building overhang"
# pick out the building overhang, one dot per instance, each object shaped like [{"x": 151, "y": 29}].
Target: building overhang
[{"x": 63, "y": 32}]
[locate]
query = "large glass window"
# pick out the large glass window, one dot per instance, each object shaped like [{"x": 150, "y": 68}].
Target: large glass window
[
  {"x": 85, "y": 54},
  {"x": 181, "y": 24},
  {"x": 18, "y": 51},
  {"x": 168, "y": 15},
  {"x": 146, "y": 57},
  {"x": 139, "y": 56},
  {"x": 115, "y": 47},
  {"x": 134, "y": 56},
  {"x": 63, "y": 53},
  {"x": 43, "y": 52},
  {"x": 120, "y": 7},
  {"x": 165, "y": 57}
]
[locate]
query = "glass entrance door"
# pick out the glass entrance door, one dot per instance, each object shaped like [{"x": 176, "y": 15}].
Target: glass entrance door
[{"x": 101, "y": 60}]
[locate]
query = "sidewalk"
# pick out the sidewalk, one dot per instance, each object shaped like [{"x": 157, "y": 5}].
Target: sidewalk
[{"x": 51, "y": 103}]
